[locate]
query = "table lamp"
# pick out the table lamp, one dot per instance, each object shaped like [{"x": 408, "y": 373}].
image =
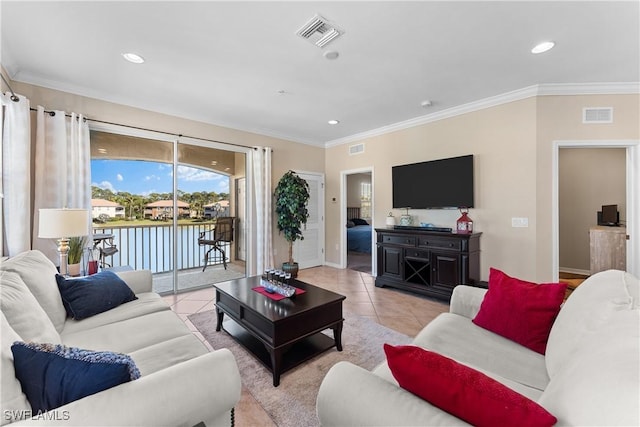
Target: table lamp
[{"x": 61, "y": 224}]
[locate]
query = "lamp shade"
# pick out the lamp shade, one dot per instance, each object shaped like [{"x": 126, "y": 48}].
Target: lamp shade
[{"x": 59, "y": 223}]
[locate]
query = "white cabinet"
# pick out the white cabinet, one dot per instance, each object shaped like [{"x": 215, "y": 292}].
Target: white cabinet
[{"x": 607, "y": 248}]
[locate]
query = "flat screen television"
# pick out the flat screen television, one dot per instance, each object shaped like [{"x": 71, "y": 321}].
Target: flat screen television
[{"x": 435, "y": 184}]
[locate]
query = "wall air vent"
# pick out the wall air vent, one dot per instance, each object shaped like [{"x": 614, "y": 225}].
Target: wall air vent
[
  {"x": 597, "y": 115},
  {"x": 319, "y": 31},
  {"x": 356, "y": 149}
]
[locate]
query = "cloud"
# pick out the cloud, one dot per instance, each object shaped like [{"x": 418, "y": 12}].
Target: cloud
[
  {"x": 223, "y": 186},
  {"x": 105, "y": 185},
  {"x": 187, "y": 173},
  {"x": 152, "y": 177}
]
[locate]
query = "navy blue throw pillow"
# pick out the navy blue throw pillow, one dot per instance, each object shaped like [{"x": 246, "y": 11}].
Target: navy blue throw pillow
[
  {"x": 52, "y": 375},
  {"x": 86, "y": 296},
  {"x": 360, "y": 221}
]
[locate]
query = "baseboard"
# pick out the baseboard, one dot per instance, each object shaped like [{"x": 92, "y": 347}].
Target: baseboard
[
  {"x": 574, "y": 271},
  {"x": 332, "y": 264}
]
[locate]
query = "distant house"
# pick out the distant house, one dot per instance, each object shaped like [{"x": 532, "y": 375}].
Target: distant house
[
  {"x": 106, "y": 207},
  {"x": 214, "y": 210},
  {"x": 163, "y": 209}
]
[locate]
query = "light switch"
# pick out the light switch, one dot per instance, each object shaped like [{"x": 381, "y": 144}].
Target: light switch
[{"x": 519, "y": 222}]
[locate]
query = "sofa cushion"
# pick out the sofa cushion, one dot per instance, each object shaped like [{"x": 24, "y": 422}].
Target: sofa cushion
[
  {"x": 54, "y": 375},
  {"x": 588, "y": 308},
  {"x": 39, "y": 274},
  {"x": 458, "y": 338},
  {"x": 519, "y": 310},
  {"x": 601, "y": 385},
  {"x": 87, "y": 296},
  {"x": 173, "y": 351},
  {"x": 145, "y": 303},
  {"x": 23, "y": 312},
  {"x": 633, "y": 287},
  {"x": 129, "y": 335},
  {"x": 13, "y": 401},
  {"x": 461, "y": 390}
]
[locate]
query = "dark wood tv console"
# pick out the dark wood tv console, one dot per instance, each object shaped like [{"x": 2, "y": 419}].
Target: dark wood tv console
[{"x": 427, "y": 262}]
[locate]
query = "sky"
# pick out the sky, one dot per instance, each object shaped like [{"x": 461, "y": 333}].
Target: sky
[{"x": 144, "y": 178}]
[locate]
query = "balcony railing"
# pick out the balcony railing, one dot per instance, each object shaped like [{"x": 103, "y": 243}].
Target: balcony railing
[{"x": 150, "y": 247}]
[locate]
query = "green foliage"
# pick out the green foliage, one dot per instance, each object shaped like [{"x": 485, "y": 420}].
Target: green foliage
[
  {"x": 134, "y": 203},
  {"x": 76, "y": 247},
  {"x": 292, "y": 195}
]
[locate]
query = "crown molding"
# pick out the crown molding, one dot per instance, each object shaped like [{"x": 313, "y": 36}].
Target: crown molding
[
  {"x": 546, "y": 89},
  {"x": 566, "y": 89},
  {"x": 550, "y": 89}
]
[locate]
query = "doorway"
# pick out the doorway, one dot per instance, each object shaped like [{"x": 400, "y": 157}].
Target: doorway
[
  {"x": 358, "y": 245},
  {"x": 631, "y": 201},
  {"x": 588, "y": 178}
]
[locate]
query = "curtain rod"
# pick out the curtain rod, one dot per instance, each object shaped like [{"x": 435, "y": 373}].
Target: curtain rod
[
  {"x": 179, "y": 135},
  {"x": 14, "y": 98},
  {"x": 53, "y": 113}
]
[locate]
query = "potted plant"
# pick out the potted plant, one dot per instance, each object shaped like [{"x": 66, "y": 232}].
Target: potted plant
[
  {"x": 74, "y": 256},
  {"x": 292, "y": 195}
]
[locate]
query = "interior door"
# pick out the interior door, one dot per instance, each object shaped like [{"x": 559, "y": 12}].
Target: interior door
[{"x": 310, "y": 251}]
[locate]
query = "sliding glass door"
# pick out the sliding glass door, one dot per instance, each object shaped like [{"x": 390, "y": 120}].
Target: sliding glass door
[{"x": 156, "y": 205}]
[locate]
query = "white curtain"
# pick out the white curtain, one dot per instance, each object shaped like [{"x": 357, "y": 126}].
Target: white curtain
[
  {"x": 15, "y": 182},
  {"x": 261, "y": 160},
  {"x": 62, "y": 168}
]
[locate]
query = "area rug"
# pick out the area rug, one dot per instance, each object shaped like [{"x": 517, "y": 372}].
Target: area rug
[{"x": 293, "y": 402}]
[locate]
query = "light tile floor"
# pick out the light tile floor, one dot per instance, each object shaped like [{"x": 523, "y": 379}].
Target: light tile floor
[{"x": 393, "y": 308}]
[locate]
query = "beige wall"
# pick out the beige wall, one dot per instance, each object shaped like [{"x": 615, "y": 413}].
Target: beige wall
[
  {"x": 502, "y": 140},
  {"x": 286, "y": 154},
  {"x": 512, "y": 147},
  {"x": 588, "y": 178},
  {"x": 560, "y": 119}
]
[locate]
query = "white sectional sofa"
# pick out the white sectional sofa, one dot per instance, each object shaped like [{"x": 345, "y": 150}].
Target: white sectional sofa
[
  {"x": 589, "y": 375},
  {"x": 181, "y": 383}
]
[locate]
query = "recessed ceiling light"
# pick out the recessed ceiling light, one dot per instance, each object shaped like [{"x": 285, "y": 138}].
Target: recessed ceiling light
[
  {"x": 543, "y": 47},
  {"x": 333, "y": 122},
  {"x": 133, "y": 57}
]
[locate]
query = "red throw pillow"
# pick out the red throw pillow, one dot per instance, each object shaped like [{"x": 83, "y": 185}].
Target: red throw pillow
[
  {"x": 522, "y": 311},
  {"x": 462, "y": 391}
]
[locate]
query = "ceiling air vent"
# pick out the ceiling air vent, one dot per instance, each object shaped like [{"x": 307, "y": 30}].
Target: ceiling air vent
[
  {"x": 356, "y": 149},
  {"x": 319, "y": 31},
  {"x": 597, "y": 115}
]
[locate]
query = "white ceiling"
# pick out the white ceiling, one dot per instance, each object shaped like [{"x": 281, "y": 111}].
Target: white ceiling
[{"x": 225, "y": 62}]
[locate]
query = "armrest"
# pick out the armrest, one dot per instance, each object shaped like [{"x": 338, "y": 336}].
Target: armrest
[
  {"x": 139, "y": 281},
  {"x": 466, "y": 300},
  {"x": 352, "y": 396},
  {"x": 185, "y": 394}
]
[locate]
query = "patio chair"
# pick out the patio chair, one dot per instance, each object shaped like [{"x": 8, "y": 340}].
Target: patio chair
[
  {"x": 222, "y": 236},
  {"x": 104, "y": 244}
]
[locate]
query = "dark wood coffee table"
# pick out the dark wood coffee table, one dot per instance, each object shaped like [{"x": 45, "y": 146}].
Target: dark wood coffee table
[{"x": 281, "y": 334}]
